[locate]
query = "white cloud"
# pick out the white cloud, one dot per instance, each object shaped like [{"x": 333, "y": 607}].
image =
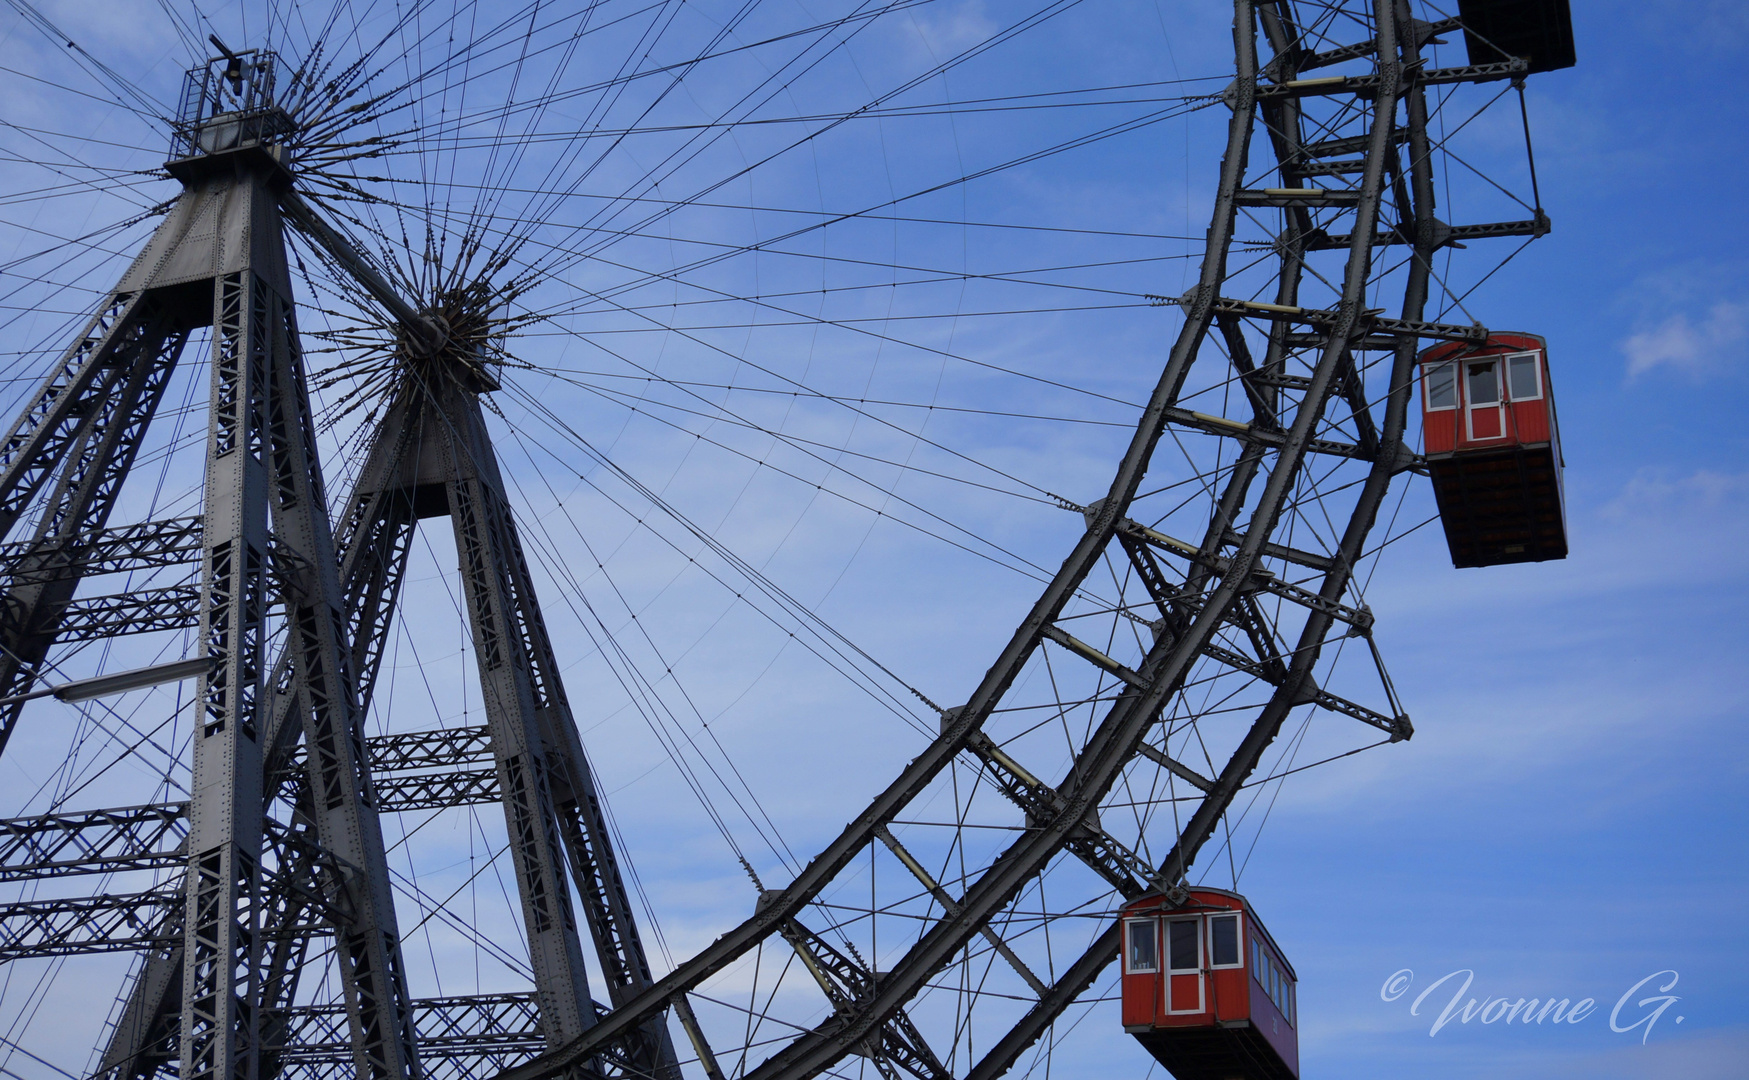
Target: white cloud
[
  {"x": 1686, "y": 346},
  {"x": 953, "y": 30},
  {"x": 1654, "y": 496}
]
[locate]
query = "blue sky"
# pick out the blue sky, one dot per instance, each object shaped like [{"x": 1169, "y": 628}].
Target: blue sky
[{"x": 1567, "y": 820}]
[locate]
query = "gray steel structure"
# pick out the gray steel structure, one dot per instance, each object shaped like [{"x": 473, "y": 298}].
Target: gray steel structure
[
  {"x": 213, "y": 997},
  {"x": 223, "y": 953}
]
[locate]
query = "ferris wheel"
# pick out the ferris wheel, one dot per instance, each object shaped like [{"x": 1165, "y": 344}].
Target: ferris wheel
[{"x": 681, "y": 316}]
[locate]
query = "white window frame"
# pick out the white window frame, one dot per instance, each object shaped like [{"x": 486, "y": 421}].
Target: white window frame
[
  {"x": 1198, "y": 972},
  {"x": 1239, "y": 920},
  {"x": 1128, "y": 928},
  {"x": 1166, "y": 944},
  {"x": 1427, "y": 371},
  {"x": 1536, "y": 366},
  {"x": 1498, "y": 404}
]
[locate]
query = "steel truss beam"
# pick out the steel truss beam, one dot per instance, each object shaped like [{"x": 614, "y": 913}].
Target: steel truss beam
[
  {"x": 460, "y": 1037},
  {"x": 74, "y": 446},
  {"x": 151, "y": 544},
  {"x": 427, "y": 770},
  {"x": 93, "y": 842},
  {"x": 74, "y": 926},
  {"x": 176, "y": 607},
  {"x": 149, "y": 918},
  {"x": 898, "y": 1047},
  {"x": 485, "y": 1030}
]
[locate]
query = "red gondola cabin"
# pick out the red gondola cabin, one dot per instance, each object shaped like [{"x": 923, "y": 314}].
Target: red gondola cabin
[
  {"x": 1206, "y": 990},
  {"x": 1494, "y": 450}
]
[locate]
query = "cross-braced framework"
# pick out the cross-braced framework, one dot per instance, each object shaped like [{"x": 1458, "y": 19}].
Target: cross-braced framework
[{"x": 948, "y": 930}]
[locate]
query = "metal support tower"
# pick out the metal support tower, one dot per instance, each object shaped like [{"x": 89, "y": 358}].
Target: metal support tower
[
  {"x": 432, "y": 456},
  {"x": 214, "y": 995},
  {"x": 265, "y": 552}
]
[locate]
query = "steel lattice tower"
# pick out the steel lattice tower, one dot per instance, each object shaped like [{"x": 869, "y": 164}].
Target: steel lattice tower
[{"x": 225, "y": 951}]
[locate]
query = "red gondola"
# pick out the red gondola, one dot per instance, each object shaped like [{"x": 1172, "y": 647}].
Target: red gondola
[
  {"x": 1206, "y": 990},
  {"x": 1494, "y": 450}
]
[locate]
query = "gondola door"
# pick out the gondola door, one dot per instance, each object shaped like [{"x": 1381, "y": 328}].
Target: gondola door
[
  {"x": 1484, "y": 405},
  {"x": 1185, "y": 990}
]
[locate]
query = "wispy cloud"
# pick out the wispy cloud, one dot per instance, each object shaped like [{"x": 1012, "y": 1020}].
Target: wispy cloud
[
  {"x": 1688, "y": 346},
  {"x": 1654, "y": 495},
  {"x": 953, "y": 29}
]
